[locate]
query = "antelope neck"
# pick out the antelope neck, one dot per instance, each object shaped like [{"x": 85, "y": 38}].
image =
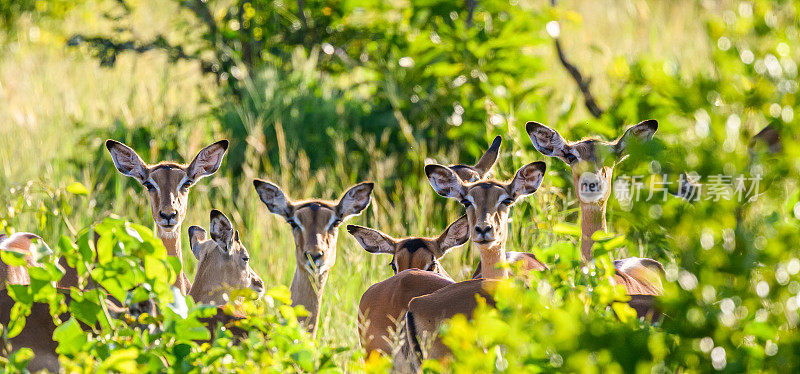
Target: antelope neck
[
  {"x": 307, "y": 291},
  {"x": 593, "y": 219},
  {"x": 491, "y": 259},
  {"x": 172, "y": 242}
]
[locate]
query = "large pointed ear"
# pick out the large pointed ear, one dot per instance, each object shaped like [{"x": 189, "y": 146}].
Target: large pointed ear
[
  {"x": 273, "y": 198},
  {"x": 19, "y": 242},
  {"x": 641, "y": 132},
  {"x": 527, "y": 180},
  {"x": 489, "y": 158},
  {"x": 455, "y": 235},
  {"x": 126, "y": 160},
  {"x": 445, "y": 181},
  {"x": 355, "y": 200},
  {"x": 197, "y": 235},
  {"x": 550, "y": 143},
  {"x": 221, "y": 230},
  {"x": 770, "y": 137},
  {"x": 207, "y": 160},
  {"x": 373, "y": 240}
]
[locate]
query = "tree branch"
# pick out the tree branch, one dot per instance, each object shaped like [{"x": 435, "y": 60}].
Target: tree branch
[
  {"x": 108, "y": 50},
  {"x": 583, "y": 83},
  {"x": 470, "y": 11}
]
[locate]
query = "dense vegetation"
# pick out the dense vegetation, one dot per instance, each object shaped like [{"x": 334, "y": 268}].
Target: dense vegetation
[{"x": 317, "y": 95}]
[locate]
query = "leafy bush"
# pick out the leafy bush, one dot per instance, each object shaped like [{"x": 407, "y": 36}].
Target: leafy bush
[{"x": 130, "y": 264}]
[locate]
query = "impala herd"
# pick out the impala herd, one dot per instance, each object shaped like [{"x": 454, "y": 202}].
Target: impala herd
[{"x": 400, "y": 316}]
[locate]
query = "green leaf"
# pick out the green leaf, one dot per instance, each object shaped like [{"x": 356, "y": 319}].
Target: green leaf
[
  {"x": 19, "y": 313},
  {"x": 70, "y": 337},
  {"x": 77, "y": 188},
  {"x": 121, "y": 360},
  {"x": 191, "y": 329},
  {"x": 567, "y": 229},
  {"x": 13, "y": 258},
  {"x": 21, "y": 357},
  {"x": 85, "y": 307},
  {"x": 304, "y": 359}
]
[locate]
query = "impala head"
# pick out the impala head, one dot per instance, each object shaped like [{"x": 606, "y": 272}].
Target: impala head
[
  {"x": 223, "y": 262},
  {"x": 315, "y": 223},
  {"x": 487, "y": 202},
  {"x": 167, "y": 183},
  {"x": 413, "y": 253},
  {"x": 592, "y": 161},
  {"x": 480, "y": 170}
]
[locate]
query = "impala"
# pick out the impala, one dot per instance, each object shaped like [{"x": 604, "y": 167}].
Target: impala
[
  {"x": 488, "y": 204},
  {"x": 223, "y": 266},
  {"x": 382, "y": 306},
  {"x": 379, "y": 329},
  {"x": 223, "y": 262},
  {"x": 315, "y": 226},
  {"x": 592, "y": 162},
  {"x": 168, "y": 185}
]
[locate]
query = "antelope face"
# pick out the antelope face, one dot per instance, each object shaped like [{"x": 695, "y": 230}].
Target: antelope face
[
  {"x": 487, "y": 202},
  {"x": 592, "y": 161},
  {"x": 223, "y": 262},
  {"x": 474, "y": 173},
  {"x": 413, "y": 253},
  {"x": 167, "y": 183},
  {"x": 315, "y": 223}
]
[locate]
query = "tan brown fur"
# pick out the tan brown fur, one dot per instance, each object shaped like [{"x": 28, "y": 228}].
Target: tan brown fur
[
  {"x": 21, "y": 243},
  {"x": 427, "y": 313},
  {"x": 168, "y": 185},
  {"x": 223, "y": 263},
  {"x": 384, "y": 304},
  {"x": 638, "y": 276},
  {"x": 488, "y": 204},
  {"x": 315, "y": 226}
]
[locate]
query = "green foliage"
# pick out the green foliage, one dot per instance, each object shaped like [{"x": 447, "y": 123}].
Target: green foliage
[
  {"x": 322, "y": 96},
  {"x": 11, "y": 11},
  {"x": 132, "y": 266}
]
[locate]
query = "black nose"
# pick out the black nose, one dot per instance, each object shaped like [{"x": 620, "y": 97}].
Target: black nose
[
  {"x": 314, "y": 257},
  {"x": 484, "y": 231},
  {"x": 167, "y": 216}
]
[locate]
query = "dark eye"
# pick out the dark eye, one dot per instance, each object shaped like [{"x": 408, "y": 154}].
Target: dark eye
[
  {"x": 246, "y": 259},
  {"x": 186, "y": 184},
  {"x": 507, "y": 202},
  {"x": 294, "y": 224},
  {"x": 466, "y": 203},
  {"x": 336, "y": 223},
  {"x": 571, "y": 158},
  {"x": 149, "y": 186}
]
